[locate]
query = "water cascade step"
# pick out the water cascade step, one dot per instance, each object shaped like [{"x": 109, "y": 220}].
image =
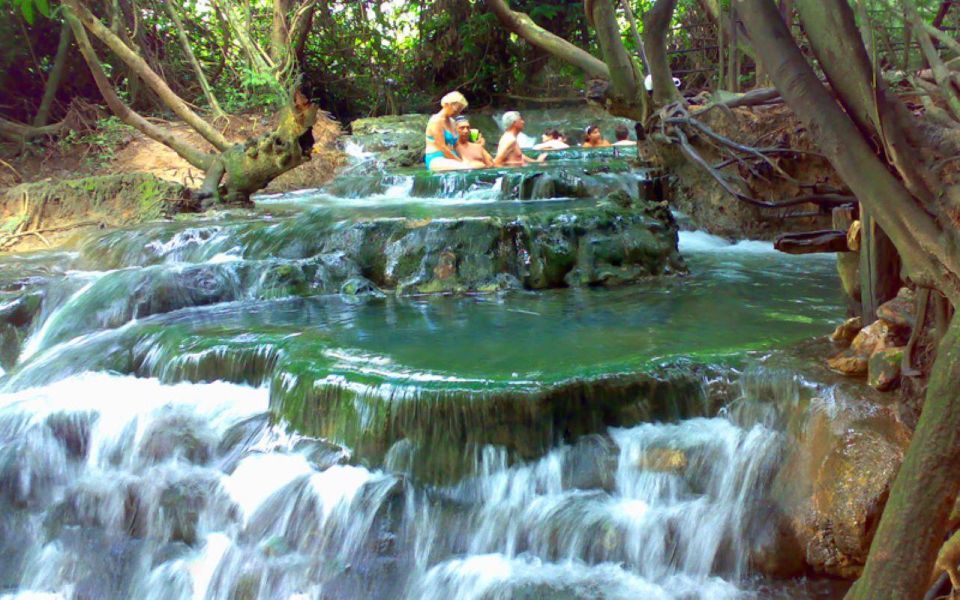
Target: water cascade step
[{"x": 497, "y": 384}]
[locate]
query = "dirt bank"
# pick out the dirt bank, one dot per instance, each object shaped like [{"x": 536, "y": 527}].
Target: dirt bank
[{"x": 112, "y": 175}]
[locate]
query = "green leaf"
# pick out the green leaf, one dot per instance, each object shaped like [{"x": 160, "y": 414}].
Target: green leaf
[
  {"x": 26, "y": 8},
  {"x": 44, "y": 7}
]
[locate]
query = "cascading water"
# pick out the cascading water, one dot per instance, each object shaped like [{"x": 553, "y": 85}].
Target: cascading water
[{"x": 159, "y": 435}]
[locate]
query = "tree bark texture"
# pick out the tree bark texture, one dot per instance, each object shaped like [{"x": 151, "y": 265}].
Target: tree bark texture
[
  {"x": 628, "y": 98},
  {"x": 914, "y": 520},
  {"x": 522, "y": 25},
  {"x": 656, "y": 25}
]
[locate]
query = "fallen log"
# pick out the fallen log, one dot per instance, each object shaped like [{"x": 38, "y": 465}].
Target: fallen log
[{"x": 810, "y": 242}]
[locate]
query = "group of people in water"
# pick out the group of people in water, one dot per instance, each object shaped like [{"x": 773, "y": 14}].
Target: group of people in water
[{"x": 451, "y": 144}]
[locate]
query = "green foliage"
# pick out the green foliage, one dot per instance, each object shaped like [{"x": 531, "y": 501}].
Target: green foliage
[
  {"x": 29, "y": 9},
  {"x": 252, "y": 90}
]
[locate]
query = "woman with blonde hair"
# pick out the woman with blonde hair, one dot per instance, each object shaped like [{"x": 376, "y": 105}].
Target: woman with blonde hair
[{"x": 440, "y": 153}]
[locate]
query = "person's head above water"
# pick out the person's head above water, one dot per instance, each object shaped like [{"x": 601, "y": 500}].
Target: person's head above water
[
  {"x": 463, "y": 128},
  {"x": 552, "y": 134},
  {"x": 622, "y": 133},
  {"x": 512, "y": 120},
  {"x": 592, "y": 134},
  {"x": 453, "y": 103}
]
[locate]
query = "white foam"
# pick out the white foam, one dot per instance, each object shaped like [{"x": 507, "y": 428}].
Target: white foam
[
  {"x": 703, "y": 242},
  {"x": 259, "y": 476}
]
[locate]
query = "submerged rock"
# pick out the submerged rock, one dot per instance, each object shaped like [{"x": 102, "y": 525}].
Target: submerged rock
[
  {"x": 588, "y": 246},
  {"x": 16, "y": 318},
  {"x": 397, "y": 140},
  {"x": 436, "y": 435}
]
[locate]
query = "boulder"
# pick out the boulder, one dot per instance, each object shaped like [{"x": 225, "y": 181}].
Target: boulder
[
  {"x": 662, "y": 460},
  {"x": 873, "y": 338},
  {"x": 835, "y": 479},
  {"x": 849, "y": 362},
  {"x": 883, "y": 369},
  {"x": 899, "y": 312},
  {"x": 846, "y": 331}
]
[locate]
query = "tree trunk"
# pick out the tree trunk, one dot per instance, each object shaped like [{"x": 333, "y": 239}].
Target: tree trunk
[
  {"x": 250, "y": 166},
  {"x": 53, "y": 81},
  {"x": 628, "y": 98},
  {"x": 913, "y": 231},
  {"x": 914, "y": 520},
  {"x": 656, "y": 25},
  {"x": 185, "y": 43},
  {"x": 280, "y": 34},
  {"x": 879, "y": 267},
  {"x": 912, "y": 526}
]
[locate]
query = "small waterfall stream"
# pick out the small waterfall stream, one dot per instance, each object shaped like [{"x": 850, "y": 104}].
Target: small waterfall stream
[{"x": 159, "y": 436}]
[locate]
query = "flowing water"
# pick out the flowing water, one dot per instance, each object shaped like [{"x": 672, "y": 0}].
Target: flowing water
[{"x": 176, "y": 423}]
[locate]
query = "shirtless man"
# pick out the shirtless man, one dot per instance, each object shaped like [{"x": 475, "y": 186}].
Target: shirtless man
[
  {"x": 471, "y": 152},
  {"x": 508, "y": 151}
]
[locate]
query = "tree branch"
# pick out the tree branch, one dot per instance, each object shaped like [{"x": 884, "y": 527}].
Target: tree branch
[
  {"x": 522, "y": 25},
  {"x": 156, "y": 83},
  {"x": 192, "y": 155},
  {"x": 56, "y": 75},
  {"x": 185, "y": 43},
  {"x": 914, "y": 232}
]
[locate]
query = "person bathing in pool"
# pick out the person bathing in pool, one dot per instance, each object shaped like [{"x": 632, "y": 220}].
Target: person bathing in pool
[
  {"x": 552, "y": 140},
  {"x": 594, "y": 139},
  {"x": 439, "y": 154},
  {"x": 508, "y": 151},
  {"x": 471, "y": 151}
]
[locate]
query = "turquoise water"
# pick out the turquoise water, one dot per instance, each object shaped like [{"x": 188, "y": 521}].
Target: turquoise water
[{"x": 176, "y": 424}]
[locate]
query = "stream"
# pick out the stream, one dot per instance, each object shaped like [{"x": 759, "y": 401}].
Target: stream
[{"x": 204, "y": 409}]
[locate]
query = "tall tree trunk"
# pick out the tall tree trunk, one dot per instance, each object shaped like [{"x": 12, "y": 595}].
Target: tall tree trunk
[
  {"x": 656, "y": 26},
  {"x": 53, "y": 81},
  {"x": 280, "y": 33},
  {"x": 628, "y": 98},
  {"x": 197, "y": 69},
  {"x": 914, "y": 521}
]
